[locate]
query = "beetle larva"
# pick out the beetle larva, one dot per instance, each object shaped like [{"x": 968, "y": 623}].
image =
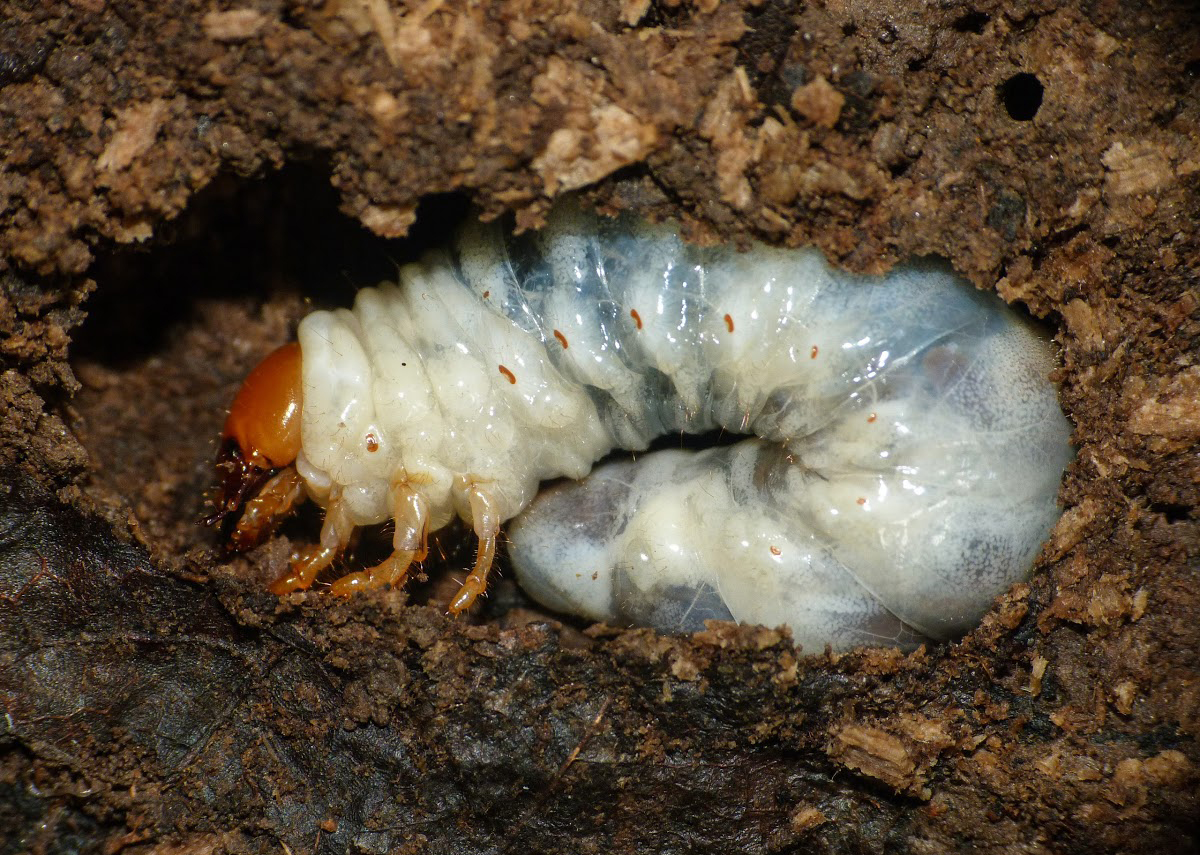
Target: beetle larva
[{"x": 905, "y": 449}]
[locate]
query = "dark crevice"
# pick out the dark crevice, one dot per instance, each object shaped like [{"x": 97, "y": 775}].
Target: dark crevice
[
  {"x": 763, "y": 48},
  {"x": 1172, "y": 512},
  {"x": 1022, "y": 96},
  {"x": 243, "y": 237},
  {"x": 972, "y": 22}
]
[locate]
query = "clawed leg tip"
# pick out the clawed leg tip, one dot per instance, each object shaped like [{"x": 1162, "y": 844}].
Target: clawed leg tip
[{"x": 289, "y": 583}]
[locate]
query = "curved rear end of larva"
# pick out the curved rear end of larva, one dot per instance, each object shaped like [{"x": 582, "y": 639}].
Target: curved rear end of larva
[{"x": 904, "y": 448}]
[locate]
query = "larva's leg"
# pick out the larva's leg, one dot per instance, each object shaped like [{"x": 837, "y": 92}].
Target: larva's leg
[
  {"x": 276, "y": 499},
  {"x": 486, "y": 519},
  {"x": 409, "y": 545},
  {"x": 335, "y": 534},
  {"x": 393, "y": 571}
]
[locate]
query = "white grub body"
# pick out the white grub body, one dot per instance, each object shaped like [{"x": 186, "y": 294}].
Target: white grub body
[{"x": 905, "y": 442}]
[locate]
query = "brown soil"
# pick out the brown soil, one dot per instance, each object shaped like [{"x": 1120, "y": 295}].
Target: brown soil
[{"x": 174, "y": 170}]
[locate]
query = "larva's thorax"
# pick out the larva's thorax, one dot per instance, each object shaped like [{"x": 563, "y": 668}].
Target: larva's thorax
[{"x": 421, "y": 383}]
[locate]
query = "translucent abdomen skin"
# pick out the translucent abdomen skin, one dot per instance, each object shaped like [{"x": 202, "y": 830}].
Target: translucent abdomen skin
[{"x": 906, "y": 442}]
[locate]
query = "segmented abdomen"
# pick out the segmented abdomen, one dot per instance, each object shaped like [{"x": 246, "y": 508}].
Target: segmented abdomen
[{"x": 909, "y": 442}]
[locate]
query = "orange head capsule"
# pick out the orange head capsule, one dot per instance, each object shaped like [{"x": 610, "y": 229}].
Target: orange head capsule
[
  {"x": 262, "y": 431},
  {"x": 264, "y": 420}
]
